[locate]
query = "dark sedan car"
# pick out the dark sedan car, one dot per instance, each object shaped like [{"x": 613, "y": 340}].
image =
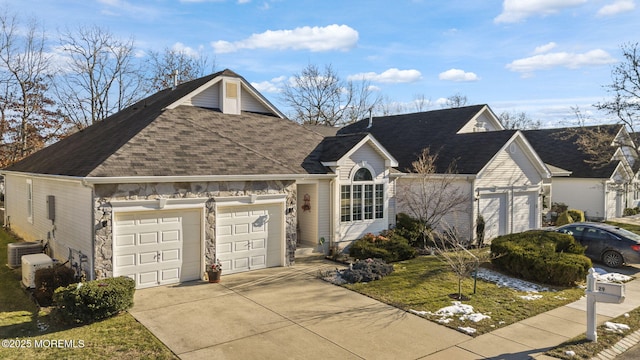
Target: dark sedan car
[{"x": 610, "y": 244}]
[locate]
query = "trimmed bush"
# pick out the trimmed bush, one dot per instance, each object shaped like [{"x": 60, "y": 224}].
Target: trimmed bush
[
  {"x": 631, "y": 211},
  {"x": 387, "y": 246},
  {"x": 95, "y": 300},
  {"x": 367, "y": 270},
  {"x": 576, "y": 215},
  {"x": 47, "y": 280},
  {"x": 543, "y": 256},
  {"x": 408, "y": 228},
  {"x": 564, "y": 218}
]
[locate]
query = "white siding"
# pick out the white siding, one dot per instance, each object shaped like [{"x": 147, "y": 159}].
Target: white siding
[
  {"x": 483, "y": 118},
  {"x": 308, "y": 218},
  {"x": 250, "y": 103},
  {"x": 324, "y": 210},
  {"x": 367, "y": 154},
  {"x": 510, "y": 167},
  {"x": 209, "y": 98},
  {"x": 581, "y": 194},
  {"x": 459, "y": 220},
  {"x": 73, "y": 228}
]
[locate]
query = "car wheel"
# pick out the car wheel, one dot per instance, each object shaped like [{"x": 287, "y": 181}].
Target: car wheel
[{"x": 612, "y": 259}]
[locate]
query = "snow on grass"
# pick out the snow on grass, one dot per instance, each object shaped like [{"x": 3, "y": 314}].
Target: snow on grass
[
  {"x": 531, "y": 297},
  {"x": 616, "y": 327},
  {"x": 506, "y": 281}
]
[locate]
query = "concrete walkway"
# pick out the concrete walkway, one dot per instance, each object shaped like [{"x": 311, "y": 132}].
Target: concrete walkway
[{"x": 288, "y": 313}]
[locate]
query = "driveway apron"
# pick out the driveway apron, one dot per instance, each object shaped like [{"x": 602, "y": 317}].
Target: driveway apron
[{"x": 284, "y": 313}]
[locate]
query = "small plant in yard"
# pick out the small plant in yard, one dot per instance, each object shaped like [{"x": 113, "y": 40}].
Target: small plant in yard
[{"x": 366, "y": 270}]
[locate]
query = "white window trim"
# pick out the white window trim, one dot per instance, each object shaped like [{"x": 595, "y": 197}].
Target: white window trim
[
  {"x": 374, "y": 182},
  {"x": 30, "y": 201}
]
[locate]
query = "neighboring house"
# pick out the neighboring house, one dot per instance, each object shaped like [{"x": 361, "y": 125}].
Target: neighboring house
[
  {"x": 207, "y": 170},
  {"x": 599, "y": 180},
  {"x": 498, "y": 169}
]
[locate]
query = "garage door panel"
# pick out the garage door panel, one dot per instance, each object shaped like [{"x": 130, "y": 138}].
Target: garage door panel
[
  {"x": 170, "y": 236},
  {"x": 243, "y": 236},
  {"x": 158, "y": 247}
]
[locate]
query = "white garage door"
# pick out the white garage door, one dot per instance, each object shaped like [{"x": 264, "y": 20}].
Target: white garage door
[
  {"x": 524, "y": 211},
  {"x": 247, "y": 236},
  {"x": 493, "y": 208},
  {"x": 157, "y": 247}
]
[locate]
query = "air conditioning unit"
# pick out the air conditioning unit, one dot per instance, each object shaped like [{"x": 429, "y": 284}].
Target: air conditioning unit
[
  {"x": 31, "y": 263},
  {"x": 16, "y": 250}
]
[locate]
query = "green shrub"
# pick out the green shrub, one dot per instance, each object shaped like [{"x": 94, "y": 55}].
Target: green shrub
[
  {"x": 542, "y": 256},
  {"x": 47, "y": 280},
  {"x": 631, "y": 211},
  {"x": 366, "y": 270},
  {"x": 387, "y": 246},
  {"x": 94, "y": 300},
  {"x": 576, "y": 215},
  {"x": 564, "y": 218},
  {"x": 408, "y": 228}
]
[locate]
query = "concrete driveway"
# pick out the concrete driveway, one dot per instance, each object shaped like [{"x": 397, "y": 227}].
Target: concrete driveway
[{"x": 284, "y": 313}]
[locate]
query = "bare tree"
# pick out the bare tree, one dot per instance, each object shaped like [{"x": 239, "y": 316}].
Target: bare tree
[
  {"x": 518, "y": 121},
  {"x": 386, "y": 106},
  {"x": 171, "y": 62},
  {"x": 100, "y": 77},
  {"x": 421, "y": 102},
  {"x": 28, "y": 119},
  {"x": 321, "y": 97},
  {"x": 432, "y": 196},
  {"x": 455, "y": 101},
  {"x": 625, "y": 104}
]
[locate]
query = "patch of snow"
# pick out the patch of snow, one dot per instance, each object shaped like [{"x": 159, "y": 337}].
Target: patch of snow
[
  {"x": 507, "y": 281},
  {"x": 531, "y": 297},
  {"x": 421, "y": 313},
  {"x": 475, "y": 317},
  {"x": 456, "y": 308},
  {"x": 616, "y": 327},
  {"x": 570, "y": 353},
  {"x": 603, "y": 275},
  {"x": 467, "y": 330}
]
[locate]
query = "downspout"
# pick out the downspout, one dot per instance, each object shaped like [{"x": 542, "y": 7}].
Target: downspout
[
  {"x": 92, "y": 263},
  {"x": 332, "y": 207}
]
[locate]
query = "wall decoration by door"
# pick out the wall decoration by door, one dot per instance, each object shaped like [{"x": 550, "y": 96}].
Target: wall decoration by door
[{"x": 307, "y": 203}]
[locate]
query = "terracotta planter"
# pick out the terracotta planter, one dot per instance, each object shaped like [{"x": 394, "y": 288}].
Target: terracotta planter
[{"x": 214, "y": 276}]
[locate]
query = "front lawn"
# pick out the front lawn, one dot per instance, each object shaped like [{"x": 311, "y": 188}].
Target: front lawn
[
  {"x": 42, "y": 337},
  {"x": 424, "y": 284}
]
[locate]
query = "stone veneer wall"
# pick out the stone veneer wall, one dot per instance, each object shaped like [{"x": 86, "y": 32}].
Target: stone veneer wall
[{"x": 104, "y": 194}]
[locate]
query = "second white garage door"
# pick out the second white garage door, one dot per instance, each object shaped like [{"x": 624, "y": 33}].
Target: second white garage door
[
  {"x": 249, "y": 237},
  {"x": 157, "y": 247}
]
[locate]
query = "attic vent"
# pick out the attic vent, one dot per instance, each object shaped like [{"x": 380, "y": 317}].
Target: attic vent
[{"x": 232, "y": 90}]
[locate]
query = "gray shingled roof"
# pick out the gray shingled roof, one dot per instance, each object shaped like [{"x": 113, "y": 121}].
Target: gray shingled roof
[
  {"x": 147, "y": 140},
  {"x": 405, "y": 136},
  {"x": 558, "y": 147}
]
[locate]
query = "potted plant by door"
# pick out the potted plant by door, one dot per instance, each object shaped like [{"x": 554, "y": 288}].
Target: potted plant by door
[{"x": 214, "y": 272}]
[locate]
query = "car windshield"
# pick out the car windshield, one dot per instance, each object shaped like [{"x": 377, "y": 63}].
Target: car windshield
[{"x": 626, "y": 233}]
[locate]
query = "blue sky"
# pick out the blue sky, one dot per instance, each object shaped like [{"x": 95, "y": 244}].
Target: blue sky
[{"x": 537, "y": 56}]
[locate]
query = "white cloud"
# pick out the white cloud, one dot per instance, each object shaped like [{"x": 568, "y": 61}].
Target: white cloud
[
  {"x": 332, "y": 37},
  {"x": 545, "y": 48},
  {"x": 458, "y": 75},
  {"x": 561, "y": 59},
  {"x": 392, "y": 75},
  {"x": 617, "y": 7},
  {"x": 191, "y": 52},
  {"x": 517, "y": 10},
  {"x": 272, "y": 86}
]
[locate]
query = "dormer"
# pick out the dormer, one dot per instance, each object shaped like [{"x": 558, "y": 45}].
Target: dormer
[
  {"x": 227, "y": 92},
  {"x": 484, "y": 120}
]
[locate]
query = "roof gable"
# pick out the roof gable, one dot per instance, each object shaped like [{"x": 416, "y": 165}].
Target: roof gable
[
  {"x": 520, "y": 152},
  {"x": 405, "y": 136},
  {"x": 340, "y": 147}
]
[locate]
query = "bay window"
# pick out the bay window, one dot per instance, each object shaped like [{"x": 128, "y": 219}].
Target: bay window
[{"x": 362, "y": 199}]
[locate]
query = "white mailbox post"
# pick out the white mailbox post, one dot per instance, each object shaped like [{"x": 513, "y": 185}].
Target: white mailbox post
[{"x": 600, "y": 292}]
